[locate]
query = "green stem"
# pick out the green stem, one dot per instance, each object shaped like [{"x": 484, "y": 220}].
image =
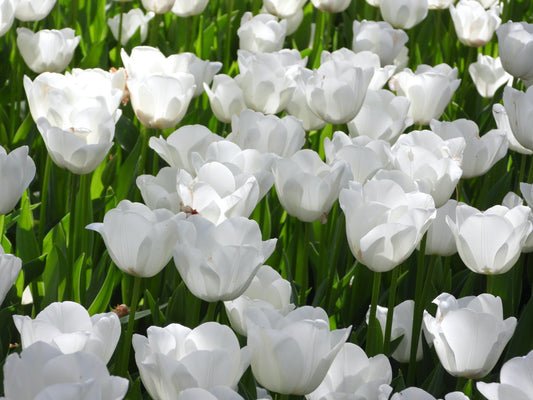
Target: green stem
[
  {"x": 417, "y": 314},
  {"x": 372, "y": 347},
  {"x": 154, "y": 30},
  {"x": 119, "y": 36},
  {"x": 318, "y": 44},
  {"x": 83, "y": 210},
  {"x": 74, "y": 181},
  {"x": 490, "y": 284},
  {"x": 390, "y": 312},
  {"x": 2, "y": 226},
  {"x": 123, "y": 367},
  {"x": 302, "y": 258},
  {"x": 210, "y": 314},
  {"x": 44, "y": 197},
  {"x": 522, "y": 172},
  {"x": 227, "y": 49},
  {"x": 74, "y": 6}
]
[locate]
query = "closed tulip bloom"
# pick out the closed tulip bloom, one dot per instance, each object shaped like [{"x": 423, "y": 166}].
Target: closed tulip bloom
[
  {"x": 515, "y": 46},
  {"x": 68, "y": 327},
  {"x": 331, "y": 6},
  {"x": 431, "y": 161},
  {"x": 363, "y": 59},
  {"x": 33, "y": 10},
  {"x": 469, "y": 333},
  {"x": 516, "y": 381},
  {"x": 364, "y": 155},
  {"x": 490, "y": 242},
  {"x": 42, "y": 372},
  {"x": 7, "y": 15},
  {"x": 283, "y": 9},
  {"x": 440, "y": 240},
  {"x": 474, "y": 26},
  {"x": 402, "y": 325},
  {"x": 480, "y": 153},
  {"x": 218, "y": 262},
  {"x": 132, "y": 21},
  {"x": 17, "y": 170},
  {"x": 403, "y": 13},
  {"x": 395, "y": 222},
  {"x": 178, "y": 147},
  {"x": 187, "y": 8},
  {"x": 175, "y": 358},
  {"x": 10, "y": 267},
  {"x": 226, "y": 98},
  {"x": 158, "y": 6},
  {"x": 430, "y": 90},
  {"x": 160, "y": 101},
  {"x": 502, "y": 122},
  {"x": 356, "y": 376},
  {"x": 267, "y": 133},
  {"x": 262, "y": 33},
  {"x": 383, "y": 116},
  {"x": 47, "y": 50},
  {"x": 298, "y": 106},
  {"x": 138, "y": 239},
  {"x": 264, "y": 81},
  {"x": 380, "y": 38},
  {"x": 266, "y": 290},
  {"x": 512, "y": 200},
  {"x": 488, "y": 75},
  {"x": 336, "y": 91},
  {"x": 307, "y": 187},
  {"x": 518, "y": 106},
  {"x": 292, "y": 354}
]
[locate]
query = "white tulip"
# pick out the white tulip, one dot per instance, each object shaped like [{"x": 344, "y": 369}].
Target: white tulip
[
  {"x": 7, "y": 15},
  {"x": 187, "y": 8},
  {"x": 262, "y": 33},
  {"x": 132, "y": 21},
  {"x": 502, "y": 122},
  {"x": 474, "y": 26},
  {"x": 17, "y": 170},
  {"x": 518, "y": 106},
  {"x": 403, "y": 13},
  {"x": 10, "y": 267},
  {"x": 33, "y": 10},
  {"x": 488, "y": 75},
  {"x": 283, "y": 9},
  {"x": 516, "y": 50},
  {"x": 158, "y": 6},
  {"x": 225, "y": 97},
  {"x": 331, "y": 6}
]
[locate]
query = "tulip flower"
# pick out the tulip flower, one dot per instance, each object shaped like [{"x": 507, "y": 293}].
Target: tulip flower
[
  {"x": 10, "y": 267},
  {"x": 226, "y": 98},
  {"x": 474, "y": 26},
  {"x": 392, "y": 121},
  {"x": 262, "y": 33},
  {"x": 488, "y": 75},
  {"x": 132, "y": 21},
  {"x": 480, "y": 153},
  {"x": 502, "y": 122},
  {"x": 512, "y": 200},
  {"x": 336, "y": 91},
  {"x": 175, "y": 358},
  {"x": 267, "y": 133},
  {"x": 515, "y": 380},
  {"x": 283, "y": 9},
  {"x": 298, "y": 106},
  {"x": 440, "y": 240},
  {"x": 218, "y": 262},
  {"x": 380, "y": 38},
  {"x": 469, "y": 333},
  {"x": 354, "y": 375},
  {"x": 306, "y": 186},
  {"x": 403, "y": 13},
  {"x": 68, "y": 327},
  {"x": 217, "y": 393},
  {"x": 364, "y": 155},
  {"x": 481, "y": 249},
  {"x": 363, "y": 59},
  {"x": 292, "y": 354},
  {"x": 7, "y": 15},
  {"x": 17, "y": 170},
  {"x": 414, "y": 393},
  {"x": 47, "y": 50},
  {"x": 158, "y": 6},
  {"x": 188, "y": 8},
  {"x": 431, "y": 161},
  {"x": 266, "y": 290},
  {"x": 179, "y": 146},
  {"x": 515, "y": 49},
  {"x": 394, "y": 221},
  {"x": 138, "y": 239},
  {"x": 264, "y": 80},
  {"x": 33, "y": 10},
  {"x": 331, "y": 6},
  {"x": 429, "y": 89},
  {"x": 42, "y": 372},
  {"x": 518, "y": 106},
  {"x": 439, "y": 4}
]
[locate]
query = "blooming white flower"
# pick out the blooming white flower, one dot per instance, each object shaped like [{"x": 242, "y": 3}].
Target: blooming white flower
[
  {"x": 225, "y": 97},
  {"x": 488, "y": 75},
  {"x": 10, "y": 267},
  {"x": 283, "y": 9},
  {"x": 158, "y": 6},
  {"x": 17, "y": 170},
  {"x": 33, "y": 10},
  {"x": 515, "y": 49},
  {"x": 469, "y": 333},
  {"x": 7, "y": 15},
  {"x": 403, "y": 13},
  {"x": 474, "y": 26},
  {"x": 331, "y": 6},
  {"x": 187, "y": 8},
  {"x": 262, "y": 33},
  {"x": 132, "y": 21}
]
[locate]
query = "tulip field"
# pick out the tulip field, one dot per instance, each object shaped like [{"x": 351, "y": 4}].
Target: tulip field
[{"x": 266, "y": 199}]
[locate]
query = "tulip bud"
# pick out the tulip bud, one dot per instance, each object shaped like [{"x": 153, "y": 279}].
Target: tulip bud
[
  {"x": 132, "y": 21},
  {"x": 516, "y": 50},
  {"x": 403, "y": 13}
]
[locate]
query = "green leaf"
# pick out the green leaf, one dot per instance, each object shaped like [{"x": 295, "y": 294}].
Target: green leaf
[{"x": 101, "y": 302}]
